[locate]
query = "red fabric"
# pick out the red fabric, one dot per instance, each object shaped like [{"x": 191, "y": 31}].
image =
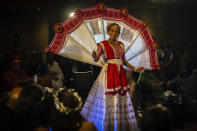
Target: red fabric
[
  {"x": 123, "y": 56},
  {"x": 12, "y": 79},
  {"x": 74, "y": 22},
  {"x": 13, "y": 59},
  {"x": 115, "y": 79}
]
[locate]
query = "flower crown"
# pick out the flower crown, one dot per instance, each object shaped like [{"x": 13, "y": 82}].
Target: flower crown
[
  {"x": 65, "y": 109},
  {"x": 43, "y": 90}
]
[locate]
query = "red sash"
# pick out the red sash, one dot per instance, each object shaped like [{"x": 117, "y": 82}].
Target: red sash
[{"x": 116, "y": 80}]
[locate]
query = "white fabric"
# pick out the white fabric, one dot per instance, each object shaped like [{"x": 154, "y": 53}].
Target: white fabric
[
  {"x": 57, "y": 75},
  {"x": 80, "y": 43},
  {"x": 109, "y": 112},
  {"x": 137, "y": 54},
  {"x": 79, "y": 46}
]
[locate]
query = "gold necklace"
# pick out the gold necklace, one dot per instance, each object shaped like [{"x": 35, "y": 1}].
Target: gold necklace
[{"x": 114, "y": 43}]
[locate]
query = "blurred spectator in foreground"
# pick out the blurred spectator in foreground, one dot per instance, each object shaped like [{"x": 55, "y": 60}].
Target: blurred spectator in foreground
[
  {"x": 32, "y": 108},
  {"x": 25, "y": 110},
  {"x": 65, "y": 112},
  {"x": 7, "y": 111},
  {"x": 156, "y": 118}
]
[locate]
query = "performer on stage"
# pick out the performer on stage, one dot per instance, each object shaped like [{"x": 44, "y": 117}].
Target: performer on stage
[{"x": 108, "y": 104}]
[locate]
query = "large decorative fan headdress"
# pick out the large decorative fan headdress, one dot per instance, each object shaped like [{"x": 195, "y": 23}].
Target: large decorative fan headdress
[{"x": 78, "y": 36}]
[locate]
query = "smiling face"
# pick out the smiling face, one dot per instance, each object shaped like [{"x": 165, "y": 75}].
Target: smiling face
[{"x": 113, "y": 32}]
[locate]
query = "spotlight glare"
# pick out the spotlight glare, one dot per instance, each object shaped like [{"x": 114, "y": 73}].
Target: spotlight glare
[{"x": 72, "y": 14}]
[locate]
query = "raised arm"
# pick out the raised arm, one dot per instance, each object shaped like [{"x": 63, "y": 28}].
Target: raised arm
[{"x": 96, "y": 54}]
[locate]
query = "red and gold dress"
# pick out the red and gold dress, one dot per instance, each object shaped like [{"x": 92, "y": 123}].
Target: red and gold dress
[{"x": 108, "y": 104}]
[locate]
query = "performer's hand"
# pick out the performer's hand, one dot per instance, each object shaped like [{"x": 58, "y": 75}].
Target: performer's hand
[
  {"x": 46, "y": 49},
  {"x": 140, "y": 69},
  {"x": 94, "y": 55}
]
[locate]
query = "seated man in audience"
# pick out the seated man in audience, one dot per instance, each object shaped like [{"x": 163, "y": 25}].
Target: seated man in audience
[
  {"x": 192, "y": 93},
  {"x": 14, "y": 75},
  {"x": 183, "y": 86}
]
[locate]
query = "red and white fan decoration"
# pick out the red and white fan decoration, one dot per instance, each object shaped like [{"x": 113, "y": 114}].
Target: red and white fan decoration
[{"x": 78, "y": 36}]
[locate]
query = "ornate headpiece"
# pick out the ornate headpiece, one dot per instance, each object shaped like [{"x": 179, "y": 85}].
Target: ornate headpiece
[{"x": 65, "y": 109}]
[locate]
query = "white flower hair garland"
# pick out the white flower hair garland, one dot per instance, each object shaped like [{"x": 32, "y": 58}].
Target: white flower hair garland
[{"x": 65, "y": 109}]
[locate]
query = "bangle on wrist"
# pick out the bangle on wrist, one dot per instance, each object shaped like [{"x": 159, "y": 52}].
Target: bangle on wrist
[
  {"x": 135, "y": 69},
  {"x": 95, "y": 59}
]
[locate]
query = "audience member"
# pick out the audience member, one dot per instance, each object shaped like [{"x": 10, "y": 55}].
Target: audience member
[
  {"x": 183, "y": 87},
  {"x": 156, "y": 118},
  {"x": 8, "y": 111},
  {"x": 66, "y": 67},
  {"x": 26, "y": 109},
  {"x": 36, "y": 66},
  {"x": 14, "y": 75},
  {"x": 55, "y": 72},
  {"x": 150, "y": 87},
  {"x": 192, "y": 80},
  {"x": 32, "y": 108},
  {"x": 167, "y": 60},
  {"x": 65, "y": 112},
  {"x": 180, "y": 81}
]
